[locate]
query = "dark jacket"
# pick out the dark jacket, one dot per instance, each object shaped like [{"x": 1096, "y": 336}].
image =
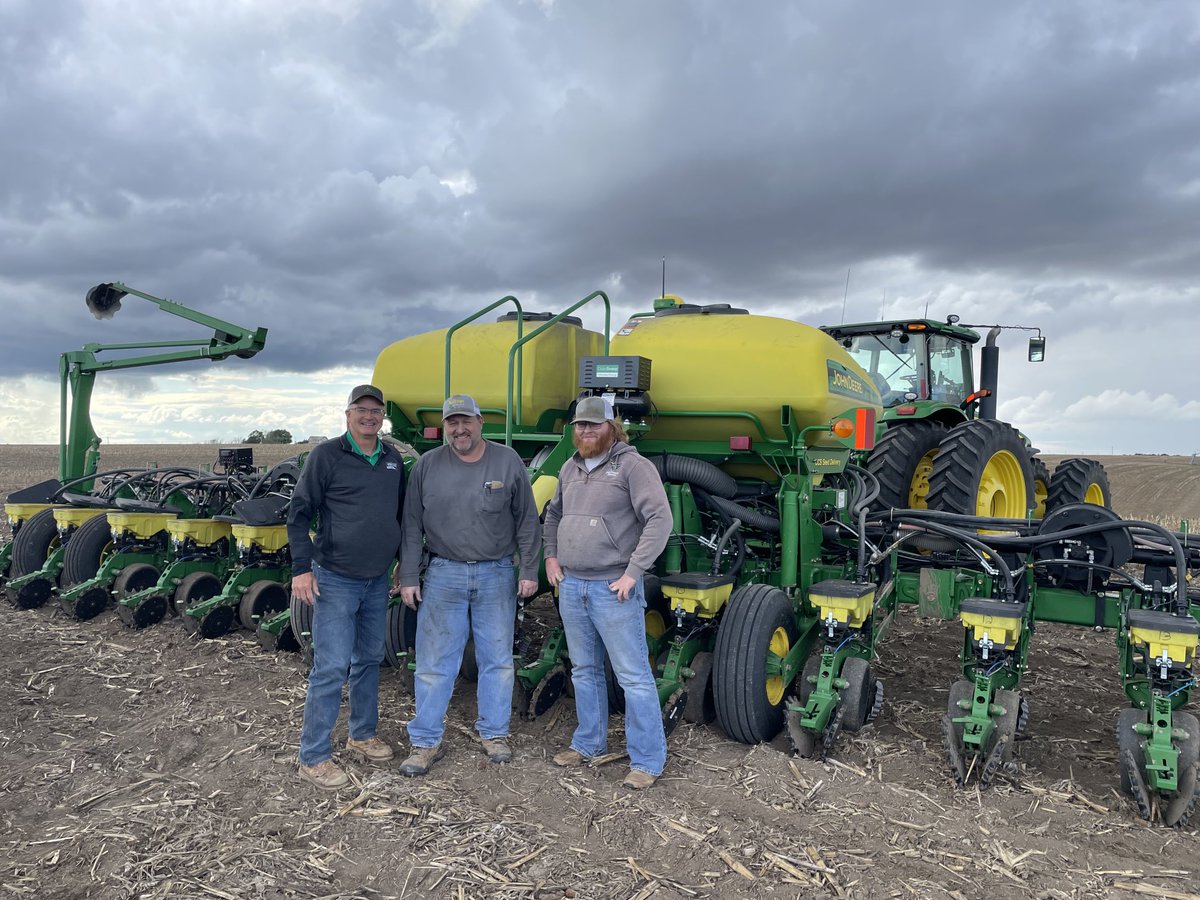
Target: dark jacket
[{"x": 358, "y": 508}]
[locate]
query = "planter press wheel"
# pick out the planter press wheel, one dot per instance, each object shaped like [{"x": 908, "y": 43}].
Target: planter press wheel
[{"x": 261, "y": 600}]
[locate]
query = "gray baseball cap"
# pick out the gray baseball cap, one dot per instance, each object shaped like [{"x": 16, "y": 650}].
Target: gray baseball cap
[
  {"x": 365, "y": 390},
  {"x": 593, "y": 409},
  {"x": 460, "y": 405}
]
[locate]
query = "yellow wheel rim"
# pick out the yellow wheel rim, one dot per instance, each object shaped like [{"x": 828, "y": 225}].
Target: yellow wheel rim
[
  {"x": 1040, "y": 492},
  {"x": 779, "y": 646},
  {"x": 918, "y": 492},
  {"x": 1001, "y": 488},
  {"x": 656, "y": 627},
  {"x": 1094, "y": 495}
]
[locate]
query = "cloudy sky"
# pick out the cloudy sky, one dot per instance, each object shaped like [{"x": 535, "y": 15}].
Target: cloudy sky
[{"x": 348, "y": 173}]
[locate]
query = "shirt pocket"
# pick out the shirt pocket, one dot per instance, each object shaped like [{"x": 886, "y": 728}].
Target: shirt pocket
[{"x": 494, "y": 502}]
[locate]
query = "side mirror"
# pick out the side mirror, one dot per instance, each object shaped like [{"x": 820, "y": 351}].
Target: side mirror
[{"x": 1037, "y": 349}]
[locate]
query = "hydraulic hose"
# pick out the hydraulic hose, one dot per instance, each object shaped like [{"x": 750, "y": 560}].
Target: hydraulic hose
[
  {"x": 696, "y": 472},
  {"x": 749, "y": 516}
]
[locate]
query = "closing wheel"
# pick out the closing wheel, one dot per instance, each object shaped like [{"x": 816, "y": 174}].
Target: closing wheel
[
  {"x": 803, "y": 741},
  {"x": 261, "y": 600},
  {"x": 961, "y": 691},
  {"x": 32, "y": 594},
  {"x": 757, "y": 630},
  {"x": 33, "y": 544},
  {"x": 195, "y": 588},
  {"x": 1129, "y": 745},
  {"x": 1177, "y": 810},
  {"x": 217, "y": 622},
  {"x": 88, "y": 547},
  {"x": 902, "y": 461},
  {"x": 149, "y": 611},
  {"x": 547, "y": 692},
  {"x": 89, "y": 605},
  {"x": 700, "y": 708},
  {"x": 1041, "y": 486},
  {"x": 982, "y": 469},
  {"x": 857, "y": 697},
  {"x": 658, "y": 622},
  {"x": 1079, "y": 481}
]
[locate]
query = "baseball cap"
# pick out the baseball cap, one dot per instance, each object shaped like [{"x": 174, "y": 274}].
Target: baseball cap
[
  {"x": 594, "y": 410},
  {"x": 460, "y": 405},
  {"x": 365, "y": 390}
]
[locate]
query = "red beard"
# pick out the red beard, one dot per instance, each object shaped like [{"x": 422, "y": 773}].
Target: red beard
[{"x": 594, "y": 443}]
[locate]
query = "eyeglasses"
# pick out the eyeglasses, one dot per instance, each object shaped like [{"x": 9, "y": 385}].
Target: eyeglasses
[
  {"x": 367, "y": 411},
  {"x": 589, "y": 426}
]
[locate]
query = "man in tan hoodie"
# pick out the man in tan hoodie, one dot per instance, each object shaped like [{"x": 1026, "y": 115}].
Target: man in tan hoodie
[{"x": 604, "y": 528}]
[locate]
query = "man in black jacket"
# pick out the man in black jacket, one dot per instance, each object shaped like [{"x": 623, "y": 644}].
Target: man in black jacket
[{"x": 354, "y": 486}]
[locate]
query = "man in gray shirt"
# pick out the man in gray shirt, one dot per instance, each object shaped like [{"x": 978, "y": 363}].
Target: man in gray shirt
[{"x": 471, "y": 504}]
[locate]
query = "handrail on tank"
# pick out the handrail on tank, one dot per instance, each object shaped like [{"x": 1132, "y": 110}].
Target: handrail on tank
[
  {"x": 467, "y": 321},
  {"x": 508, "y": 424}
]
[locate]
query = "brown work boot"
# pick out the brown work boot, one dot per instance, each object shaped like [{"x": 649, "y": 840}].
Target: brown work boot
[
  {"x": 497, "y": 750},
  {"x": 325, "y": 775},
  {"x": 569, "y": 757},
  {"x": 637, "y": 780},
  {"x": 421, "y": 760},
  {"x": 373, "y": 750}
]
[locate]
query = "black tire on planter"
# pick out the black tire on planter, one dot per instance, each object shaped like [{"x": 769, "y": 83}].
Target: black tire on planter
[
  {"x": 33, "y": 543},
  {"x": 194, "y": 588},
  {"x": 1077, "y": 480},
  {"x": 262, "y": 599},
  {"x": 1041, "y": 487},
  {"x": 700, "y": 708},
  {"x": 977, "y": 453},
  {"x": 896, "y": 462},
  {"x": 86, "y": 550},
  {"x": 657, "y": 615},
  {"x": 1128, "y": 739},
  {"x": 858, "y": 694},
  {"x": 400, "y": 633},
  {"x": 754, "y": 615},
  {"x": 302, "y": 622}
]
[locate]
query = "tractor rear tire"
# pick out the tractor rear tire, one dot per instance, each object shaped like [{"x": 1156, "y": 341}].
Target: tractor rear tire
[
  {"x": 902, "y": 462},
  {"x": 758, "y": 620},
  {"x": 33, "y": 544},
  {"x": 1079, "y": 480},
  {"x": 982, "y": 469},
  {"x": 86, "y": 550},
  {"x": 1041, "y": 486},
  {"x": 261, "y": 600}
]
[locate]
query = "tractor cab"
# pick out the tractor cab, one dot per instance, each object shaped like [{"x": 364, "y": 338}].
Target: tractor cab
[{"x": 912, "y": 361}]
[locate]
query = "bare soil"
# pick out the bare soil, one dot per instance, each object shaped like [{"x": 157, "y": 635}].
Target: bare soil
[{"x": 152, "y": 764}]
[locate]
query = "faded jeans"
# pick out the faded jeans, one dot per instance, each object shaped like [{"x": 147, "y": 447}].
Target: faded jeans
[
  {"x": 457, "y": 597},
  {"x": 595, "y": 621},
  {"x": 348, "y": 637}
]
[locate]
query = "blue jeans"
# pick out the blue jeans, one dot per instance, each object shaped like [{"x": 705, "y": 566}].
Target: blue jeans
[
  {"x": 595, "y": 621},
  {"x": 348, "y": 637},
  {"x": 455, "y": 597}
]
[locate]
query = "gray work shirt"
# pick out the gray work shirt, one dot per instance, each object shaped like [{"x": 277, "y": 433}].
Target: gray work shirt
[{"x": 470, "y": 511}]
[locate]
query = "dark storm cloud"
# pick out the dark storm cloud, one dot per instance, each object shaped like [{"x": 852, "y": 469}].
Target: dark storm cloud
[{"x": 346, "y": 174}]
